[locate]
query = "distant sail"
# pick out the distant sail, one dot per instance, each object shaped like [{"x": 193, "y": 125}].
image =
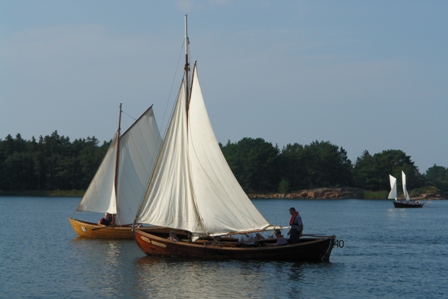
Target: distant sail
[
  {"x": 405, "y": 191},
  {"x": 393, "y": 187}
]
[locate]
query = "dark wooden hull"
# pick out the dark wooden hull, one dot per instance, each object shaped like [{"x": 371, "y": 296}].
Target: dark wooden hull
[
  {"x": 405, "y": 204},
  {"x": 91, "y": 230},
  {"x": 310, "y": 249}
]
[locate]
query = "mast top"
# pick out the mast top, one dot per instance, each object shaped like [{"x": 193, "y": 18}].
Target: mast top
[
  {"x": 187, "y": 63},
  {"x": 187, "y": 43},
  {"x": 186, "y": 35},
  {"x": 119, "y": 121}
]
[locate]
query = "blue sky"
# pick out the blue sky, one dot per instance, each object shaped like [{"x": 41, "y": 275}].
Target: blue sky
[{"x": 364, "y": 75}]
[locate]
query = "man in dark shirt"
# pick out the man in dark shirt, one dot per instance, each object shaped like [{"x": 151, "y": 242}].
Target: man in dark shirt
[{"x": 296, "y": 226}]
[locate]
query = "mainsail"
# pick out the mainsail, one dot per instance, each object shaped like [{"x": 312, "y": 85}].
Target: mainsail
[
  {"x": 138, "y": 150},
  {"x": 393, "y": 188},
  {"x": 405, "y": 191},
  {"x": 193, "y": 187}
]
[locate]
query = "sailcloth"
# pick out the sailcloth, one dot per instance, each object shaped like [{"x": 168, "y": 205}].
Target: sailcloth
[
  {"x": 193, "y": 187},
  {"x": 138, "y": 150},
  {"x": 393, "y": 187},
  {"x": 100, "y": 195},
  {"x": 405, "y": 191}
]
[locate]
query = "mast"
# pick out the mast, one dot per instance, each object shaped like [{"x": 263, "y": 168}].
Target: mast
[
  {"x": 117, "y": 150},
  {"x": 187, "y": 64}
]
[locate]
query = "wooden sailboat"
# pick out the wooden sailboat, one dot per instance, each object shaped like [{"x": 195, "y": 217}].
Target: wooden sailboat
[
  {"x": 408, "y": 202},
  {"x": 194, "y": 192},
  {"x": 121, "y": 180}
]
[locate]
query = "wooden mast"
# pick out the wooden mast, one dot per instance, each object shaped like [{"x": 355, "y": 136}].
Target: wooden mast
[
  {"x": 117, "y": 150},
  {"x": 187, "y": 64}
]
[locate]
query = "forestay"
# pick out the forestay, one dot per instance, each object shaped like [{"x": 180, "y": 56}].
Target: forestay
[{"x": 193, "y": 187}]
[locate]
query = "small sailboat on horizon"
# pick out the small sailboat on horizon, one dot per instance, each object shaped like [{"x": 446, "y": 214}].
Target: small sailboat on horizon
[{"x": 408, "y": 202}]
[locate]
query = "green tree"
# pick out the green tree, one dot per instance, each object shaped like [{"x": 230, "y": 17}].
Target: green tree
[
  {"x": 372, "y": 172},
  {"x": 253, "y": 162},
  {"x": 364, "y": 172},
  {"x": 438, "y": 176},
  {"x": 326, "y": 165},
  {"x": 320, "y": 164},
  {"x": 230, "y": 152},
  {"x": 89, "y": 158},
  {"x": 16, "y": 164},
  {"x": 292, "y": 168},
  {"x": 283, "y": 187},
  {"x": 51, "y": 163}
]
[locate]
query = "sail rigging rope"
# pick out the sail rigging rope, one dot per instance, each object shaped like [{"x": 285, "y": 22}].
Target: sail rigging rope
[
  {"x": 171, "y": 89},
  {"x": 129, "y": 116}
]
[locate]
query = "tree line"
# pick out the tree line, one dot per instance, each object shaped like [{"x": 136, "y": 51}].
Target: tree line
[
  {"x": 50, "y": 163},
  {"x": 261, "y": 167},
  {"x": 55, "y": 163}
]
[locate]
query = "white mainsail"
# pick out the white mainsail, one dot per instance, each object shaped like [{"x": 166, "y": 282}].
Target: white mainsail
[
  {"x": 405, "y": 191},
  {"x": 138, "y": 150},
  {"x": 192, "y": 187},
  {"x": 393, "y": 188}
]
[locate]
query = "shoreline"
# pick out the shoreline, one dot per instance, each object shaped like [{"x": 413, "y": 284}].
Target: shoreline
[
  {"x": 342, "y": 193},
  {"x": 317, "y": 193}
]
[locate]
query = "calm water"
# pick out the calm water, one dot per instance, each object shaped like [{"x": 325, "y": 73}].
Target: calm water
[{"x": 388, "y": 253}]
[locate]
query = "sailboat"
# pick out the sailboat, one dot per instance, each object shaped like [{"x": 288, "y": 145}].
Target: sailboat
[
  {"x": 407, "y": 203},
  {"x": 121, "y": 180},
  {"x": 194, "y": 192}
]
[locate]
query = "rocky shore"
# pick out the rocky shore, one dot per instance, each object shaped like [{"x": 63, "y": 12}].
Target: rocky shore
[{"x": 336, "y": 193}]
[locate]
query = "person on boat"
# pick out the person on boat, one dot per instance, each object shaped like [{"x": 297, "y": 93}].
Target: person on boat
[
  {"x": 296, "y": 226},
  {"x": 173, "y": 236},
  {"x": 280, "y": 239},
  {"x": 248, "y": 239},
  {"x": 107, "y": 220}
]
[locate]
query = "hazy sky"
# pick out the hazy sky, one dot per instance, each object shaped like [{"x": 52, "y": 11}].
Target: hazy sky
[{"x": 363, "y": 75}]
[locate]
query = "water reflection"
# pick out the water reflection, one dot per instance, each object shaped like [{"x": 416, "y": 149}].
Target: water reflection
[
  {"x": 105, "y": 265},
  {"x": 165, "y": 277},
  {"x": 295, "y": 271}
]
